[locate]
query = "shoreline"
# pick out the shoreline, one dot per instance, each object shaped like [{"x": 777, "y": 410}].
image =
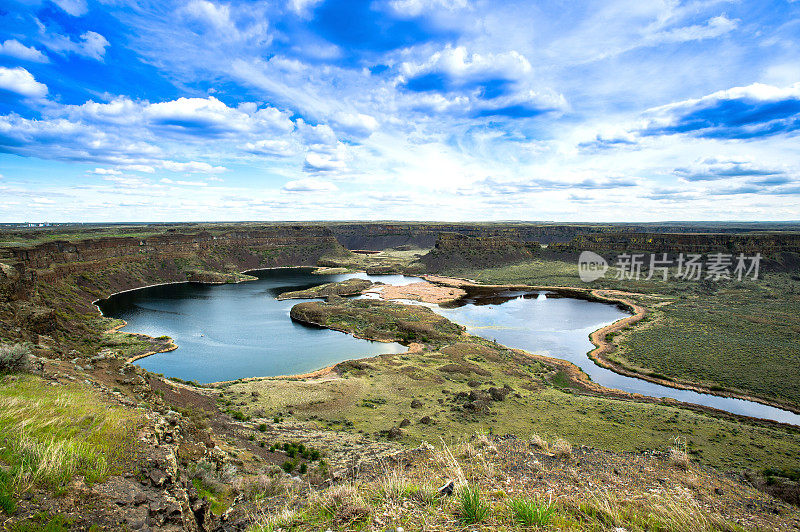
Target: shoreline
[
  {"x": 603, "y": 346},
  {"x": 597, "y": 338}
]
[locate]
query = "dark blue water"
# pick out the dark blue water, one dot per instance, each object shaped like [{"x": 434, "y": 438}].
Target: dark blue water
[{"x": 232, "y": 331}]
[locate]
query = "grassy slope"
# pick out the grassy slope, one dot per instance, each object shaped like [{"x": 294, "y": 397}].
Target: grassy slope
[
  {"x": 375, "y": 395},
  {"x": 736, "y": 336},
  {"x": 51, "y": 433}
]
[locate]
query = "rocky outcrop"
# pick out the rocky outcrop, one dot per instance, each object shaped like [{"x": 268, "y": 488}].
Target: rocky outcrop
[
  {"x": 267, "y": 246},
  {"x": 383, "y": 235},
  {"x": 49, "y": 288},
  {"x": 454, "y": 250}
]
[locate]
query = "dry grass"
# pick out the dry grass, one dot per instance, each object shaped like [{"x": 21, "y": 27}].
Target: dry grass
[
  {"x": 345, "y": 504},
  {"x": 51, "y": 433},
  {"x": 678, "y": 457},
  {"x": 673, "y": 511},
  {"x": 539, "y": 442},
  {"x": 562, "y": 449}
]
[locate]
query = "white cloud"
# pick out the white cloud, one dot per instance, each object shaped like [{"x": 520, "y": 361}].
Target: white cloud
[
  {"x": 184, "y": 183},
  {"x": 106, "y": 171},
  {"x": 309, "y": 185},
  {"x": 76, "y": 8},
  {"x": 20, "y": 81},
  {"x": 91, "y": 45},
  {"x": 715, "y": 168},
  {"x": 714, "y": 27},
  {"x": 304, "y": 7},
  {"x": 413, "y": 8},
  {"x": 192, "y": 167},
  {"x": 462, "y": 67},
  {"x": 246, "y": 25},
  {"x": 14, "y": 48},
  {"x": 276, "y": 147},
  {"x": 356, "y": 124}
]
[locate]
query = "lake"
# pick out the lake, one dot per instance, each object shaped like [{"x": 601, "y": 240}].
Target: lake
[{"x": 232, "y": 331}]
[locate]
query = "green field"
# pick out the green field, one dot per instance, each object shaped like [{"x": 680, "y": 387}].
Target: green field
[{"x": 739, "y": 336}]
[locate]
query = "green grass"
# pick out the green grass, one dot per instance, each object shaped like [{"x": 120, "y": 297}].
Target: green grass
[
  {"x": 7, "y": 502},
  {"x": 471, "y": 508},
  {"x": 738, "y": 336},
  {"x": 43, "y": 522},
  {"x": 534, "y": 406},
  {"x": 51, "y": 433},
  {"x": 531, "y": 512}
]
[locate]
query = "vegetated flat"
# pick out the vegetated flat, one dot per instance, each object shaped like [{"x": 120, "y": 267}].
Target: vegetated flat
[
  {"x": 740, "y": 336},
  {"x": 375, "y": 395}
]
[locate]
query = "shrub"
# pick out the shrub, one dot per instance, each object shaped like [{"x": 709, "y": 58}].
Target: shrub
[
  {"x": 528, "y": 512},
  {"x": 14, "y": 357},
  {"x": 473, "y": 509},
  {"x": 262, "y": 427}
]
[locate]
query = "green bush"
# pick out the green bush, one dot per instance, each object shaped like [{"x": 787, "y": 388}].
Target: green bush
[{"x": 14, "y": 357}]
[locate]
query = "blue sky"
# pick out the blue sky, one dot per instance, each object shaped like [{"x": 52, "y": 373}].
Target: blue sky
[{"x": 614, "y": 110}]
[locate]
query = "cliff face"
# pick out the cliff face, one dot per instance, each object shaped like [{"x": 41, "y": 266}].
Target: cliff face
[
  {"x": 378, "y": 236},
  {"x": 768, "y": 244},
  {"x": 382, "y": 235},
  {"x": 56, "y": 282},
  {"x": 277, "y": 239},
  {"x": 454, "y": 250}
]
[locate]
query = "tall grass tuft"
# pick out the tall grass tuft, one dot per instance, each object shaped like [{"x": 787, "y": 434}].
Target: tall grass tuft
[
  {"x": 529, "y": 512},
  {"x": 53, "y": 433},
  {"x": 473, "y": 509}
]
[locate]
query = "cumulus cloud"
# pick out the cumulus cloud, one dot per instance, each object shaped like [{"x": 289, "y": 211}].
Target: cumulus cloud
[
  {"x": 455, "y": 68},
  {"x": 355, "y": 124},
  {"x": 21, "y": 82},
  {"x": 106, "y": 171},
  {"x": 477, "y": 85},
  {"x": 14, "y": 48},
  {"x": 326, "y": 160},
  {"x": 140, "y": 135},
  {"x": 90, "y": 44},
  {"x": 309, "y": 185},
  {"x": 756, "y": 110},
  {"x": 211, "y": 117},
  {"x": 274, "y": 147},
  {"x": 712, "y": 168}
]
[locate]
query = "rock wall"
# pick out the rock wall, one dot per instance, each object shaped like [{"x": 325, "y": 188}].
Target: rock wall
[
  {"x": 768, "y": 244},
  {"x": 49, "y": 288},
  {"x": 453, "y": 250},
  {"x": 382, "y": 235}
]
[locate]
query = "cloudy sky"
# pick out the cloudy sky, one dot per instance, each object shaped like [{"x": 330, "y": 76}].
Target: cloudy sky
[{"x": 608, "y": 110}]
